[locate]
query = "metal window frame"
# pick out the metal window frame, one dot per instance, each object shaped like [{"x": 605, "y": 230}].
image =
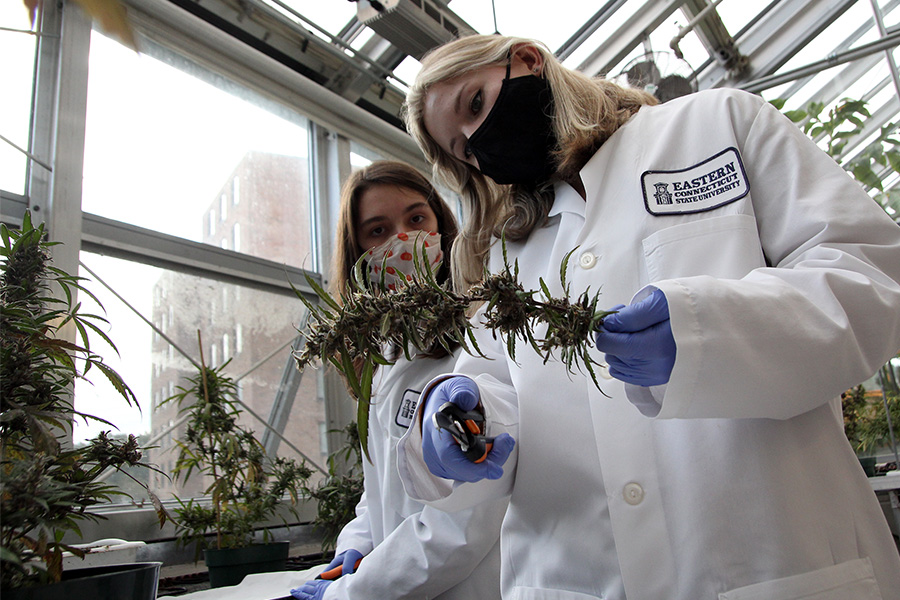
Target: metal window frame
[{"x": 58, "y": 133}]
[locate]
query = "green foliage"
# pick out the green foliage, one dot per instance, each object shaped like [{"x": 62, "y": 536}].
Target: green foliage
[
  {"x": 883, "y": 153},
  {"x": 843, "y": 122},
  {"x": 46, "y": 487},
  {"x": 423, "y": 313},
  {"x": 866, "y": 421},
  {"x": 246, "y": 487},
  {"x": 339, "y": 492},
  {"x": 876, "y": 433}
]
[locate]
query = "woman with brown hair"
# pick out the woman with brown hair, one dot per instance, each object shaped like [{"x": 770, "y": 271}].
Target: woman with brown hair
[{"x": 403, "y": 549}]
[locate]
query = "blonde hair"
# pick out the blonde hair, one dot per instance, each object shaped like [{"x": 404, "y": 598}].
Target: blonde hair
[{"x": 587, "y": 111}]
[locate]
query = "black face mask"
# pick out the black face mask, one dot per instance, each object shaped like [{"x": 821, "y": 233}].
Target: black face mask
[{"x": 514, "y": 142}]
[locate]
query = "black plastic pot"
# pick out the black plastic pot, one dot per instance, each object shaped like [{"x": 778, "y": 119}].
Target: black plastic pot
[
  {"x": 134, "y": 581},
  {"x": 868, "y": 465},
  {"x": 229, "y": 566}
]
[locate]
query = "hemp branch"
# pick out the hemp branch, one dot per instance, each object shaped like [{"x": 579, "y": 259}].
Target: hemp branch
[{"x": 357, "y": 328}]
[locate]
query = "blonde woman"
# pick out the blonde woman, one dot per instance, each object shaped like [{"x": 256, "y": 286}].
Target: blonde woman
[
  {"x": 755, "y": 281},
  {"x": 397, "y": 547}
]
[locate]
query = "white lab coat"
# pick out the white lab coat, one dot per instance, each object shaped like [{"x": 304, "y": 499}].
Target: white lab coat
[
  {"x": 733, "y": 481},
  {"x": 412, "y": 551}
]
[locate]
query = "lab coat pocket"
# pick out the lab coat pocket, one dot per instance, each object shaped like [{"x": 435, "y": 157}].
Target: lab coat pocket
[
  {"x": 530, "y": 593},
  {"x": 727, "y": 246},
  {"x": 853, "y": 579}
]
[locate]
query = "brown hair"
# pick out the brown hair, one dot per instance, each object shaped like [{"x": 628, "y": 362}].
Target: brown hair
[
  {"x": 587, "y": 112},
  {"x": 384, "y": 172}
]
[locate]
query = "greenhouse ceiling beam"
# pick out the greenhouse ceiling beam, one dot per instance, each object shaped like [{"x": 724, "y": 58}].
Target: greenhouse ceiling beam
[
  {"x": 371, "y": 65},
  {"x": 892, "y": 40},
  {"x": 836, "y": 85},
  {"x": 353, "y": 85},
  {"x": 221, "y": 52},
  {"x": 627, "y": 37},
  {"x": 712, "y": 33},
  {"x": 888, "y": 55},
  {"x": 777, "y": 37},
  {"x": 588, "y": 29},
  {"x": 262, "y": 28}
]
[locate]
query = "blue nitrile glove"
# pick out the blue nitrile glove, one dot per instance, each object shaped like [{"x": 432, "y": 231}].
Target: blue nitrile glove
[
  {"x": 311, "y": 590},
  {"x": 347, "y": 561},
  {"x": 638, "y": 341},
  {"x": 441, "y": 453}
]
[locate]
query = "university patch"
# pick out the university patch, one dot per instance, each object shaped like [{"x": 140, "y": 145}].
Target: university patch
[
  {"x": 408, "y": 404},
  {"x": 715, "y": 182}
]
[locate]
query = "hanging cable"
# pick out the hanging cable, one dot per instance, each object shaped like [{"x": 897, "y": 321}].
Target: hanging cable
[
  {"x": 158, "y": 331},
  {"x": 27, "y": 153}
]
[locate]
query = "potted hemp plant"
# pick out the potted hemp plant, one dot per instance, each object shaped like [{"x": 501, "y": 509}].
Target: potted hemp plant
[
  {"x": 868, "y": 424},
  {"x": 246, "y": 488},
  {"x": 47, "y": 486},
  {"x": 339, "y": 492}
]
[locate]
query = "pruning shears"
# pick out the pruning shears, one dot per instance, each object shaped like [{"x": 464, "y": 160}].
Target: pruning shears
[{"x": 467, "y": 429}]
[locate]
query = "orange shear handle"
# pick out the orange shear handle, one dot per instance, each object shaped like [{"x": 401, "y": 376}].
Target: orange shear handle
[{"x": 337, "y": 571}]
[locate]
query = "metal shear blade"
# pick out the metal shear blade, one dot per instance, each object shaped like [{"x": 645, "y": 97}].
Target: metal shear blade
[{"x": 467, "y": 429}]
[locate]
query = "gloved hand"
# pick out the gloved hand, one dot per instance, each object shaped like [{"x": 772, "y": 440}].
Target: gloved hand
[
  {"x": 638, "y": 341},
  {"x": 441, "y": 453},
  {"x": 311, "y": 590},
  {"x": 346, "y": 560}
]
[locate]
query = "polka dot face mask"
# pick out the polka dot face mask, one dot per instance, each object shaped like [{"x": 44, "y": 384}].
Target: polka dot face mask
[{"x": 395, "y": 257}]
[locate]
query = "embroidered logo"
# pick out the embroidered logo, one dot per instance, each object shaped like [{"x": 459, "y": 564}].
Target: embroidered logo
[
  {"x": 662, "y": 194},
  {"x": 714, "y": 182},
  {"x": 408, "y": 404}
]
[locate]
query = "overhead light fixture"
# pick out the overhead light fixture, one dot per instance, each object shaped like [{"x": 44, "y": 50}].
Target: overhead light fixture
[{"x": 413, "y": 26}]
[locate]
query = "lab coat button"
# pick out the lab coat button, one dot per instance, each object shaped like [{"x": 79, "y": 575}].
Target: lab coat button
[
  {"x": 587, "y": 260},
  {"x": 633, "y": 493}
]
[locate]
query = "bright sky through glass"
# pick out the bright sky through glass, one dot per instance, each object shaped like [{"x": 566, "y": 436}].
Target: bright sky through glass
[
  {"x": 160, "y": 142},
  {"x": 17, "y": 52}
]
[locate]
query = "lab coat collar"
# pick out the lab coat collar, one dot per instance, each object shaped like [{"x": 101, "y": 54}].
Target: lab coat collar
[
  {"x": 594, "y": 171},
  {"x": 567, "y": 200}
]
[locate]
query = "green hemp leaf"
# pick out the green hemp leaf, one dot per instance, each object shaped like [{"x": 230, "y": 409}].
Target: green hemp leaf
[{"x": 352, "y": 332}]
